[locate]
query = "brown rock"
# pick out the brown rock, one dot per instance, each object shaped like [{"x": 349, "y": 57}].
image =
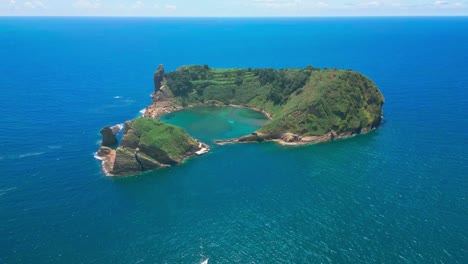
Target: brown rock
[
  {"x": 290, "y": 137},
  {"x": 365, "y": 129},
  {"x": 103, "y": 152},
  {"x": 107, "y": 157}
]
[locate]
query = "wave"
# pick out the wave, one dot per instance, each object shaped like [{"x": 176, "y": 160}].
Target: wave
[
  {"x": 142, "y": 112},
  {"x": 117, "y": 97},
  {"x": 117, "y": 128},
  {"x": 6, "y": 190},
  {"x": 30, "y": 154}
]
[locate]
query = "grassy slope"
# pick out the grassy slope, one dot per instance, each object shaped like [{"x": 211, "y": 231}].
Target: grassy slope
[
  {"x": 337, "y": 100},
  {"x": 304, "y": 101},
  {"x": 168, "y": 138}
]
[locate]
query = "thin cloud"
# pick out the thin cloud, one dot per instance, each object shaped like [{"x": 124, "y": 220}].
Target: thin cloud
[
  {"x": 276, "y": 4},
  {"x": 33, "y": 4},
  {"x": 447, "y": 4},
  {"x": 138, "y": 5},
  {"x": 170, "y": 7},
  {"x": 87, "y": 4}
]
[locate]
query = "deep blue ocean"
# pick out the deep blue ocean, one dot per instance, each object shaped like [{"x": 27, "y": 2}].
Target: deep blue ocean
[{"x": 397, "y": 195}]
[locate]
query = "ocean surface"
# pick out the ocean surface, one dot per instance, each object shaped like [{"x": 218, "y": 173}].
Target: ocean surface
[{"x": 397, "y": 195}]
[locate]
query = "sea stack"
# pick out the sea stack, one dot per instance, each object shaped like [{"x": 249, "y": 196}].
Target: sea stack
[
  {"x": 158, "y": 77},
  {"x": 108, "y": 137}
]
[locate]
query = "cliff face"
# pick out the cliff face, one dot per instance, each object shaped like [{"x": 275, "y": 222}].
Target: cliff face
[
  {"x": 158, "y": 77},
  {"x": 148, "y": 144}
]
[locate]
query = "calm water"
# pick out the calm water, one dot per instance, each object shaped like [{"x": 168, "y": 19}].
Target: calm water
[
  {"x": 211, "y": 123},
  {"x": 398, "y": 195}
]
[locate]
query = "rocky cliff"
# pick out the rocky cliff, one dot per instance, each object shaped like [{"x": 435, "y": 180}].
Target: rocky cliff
[
  {"x": 158, "y": 77},
  {"x": 108, "y": 137},
  {"x": 149, "y": 144}
]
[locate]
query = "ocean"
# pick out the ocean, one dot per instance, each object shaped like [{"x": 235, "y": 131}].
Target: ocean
[{"x": 396, "y": 195}]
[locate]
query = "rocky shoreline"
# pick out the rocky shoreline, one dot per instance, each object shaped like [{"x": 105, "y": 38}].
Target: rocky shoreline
[{"x": 291, "y": 139}]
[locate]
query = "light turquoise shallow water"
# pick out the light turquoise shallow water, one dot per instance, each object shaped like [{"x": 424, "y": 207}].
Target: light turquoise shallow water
[{"x": 211, "y": 123}]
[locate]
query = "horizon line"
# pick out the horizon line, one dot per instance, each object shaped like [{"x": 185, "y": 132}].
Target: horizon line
[{"x": 318, "y": 16}]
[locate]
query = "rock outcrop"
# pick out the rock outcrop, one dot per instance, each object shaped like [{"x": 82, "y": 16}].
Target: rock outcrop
[
  {"x": 158, "y": 77},
  {"x": 107, "y": 157},
  {"x": 293, "y": 139},
  {"x": 108, "y": 137}
]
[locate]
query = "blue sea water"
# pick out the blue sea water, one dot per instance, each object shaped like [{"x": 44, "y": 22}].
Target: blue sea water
[{"x": 397, "y": 195}]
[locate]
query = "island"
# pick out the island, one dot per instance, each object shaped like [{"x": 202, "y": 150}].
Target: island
[
  {"x": 306, "y": 105},
  {"x": 148, "y": 144}
]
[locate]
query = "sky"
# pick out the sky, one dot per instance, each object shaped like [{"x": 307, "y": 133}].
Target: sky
[{"x": 233, "y": 8}]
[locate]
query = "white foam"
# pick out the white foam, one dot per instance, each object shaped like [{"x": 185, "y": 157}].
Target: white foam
[
  {"x": 97, "y": 157},
  {"x": 30, "y": 154},
  {"x": 117, "y": 128},
  {"x": 142, "y": 112},
  {"x": 7, "y": 190},
  {"x": 117, "y": 97}
]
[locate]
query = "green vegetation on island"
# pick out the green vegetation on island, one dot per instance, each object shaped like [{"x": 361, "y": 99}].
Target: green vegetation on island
[
  {"x": 152, "y": 134},
  {"x": 149, "y": 144},
  {"x": 307, "y": 102}
]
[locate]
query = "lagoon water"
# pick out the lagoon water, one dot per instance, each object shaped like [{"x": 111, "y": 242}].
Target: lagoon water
[
  {"x": 397, "y": 195},
  {"x": 211, "y": 123}
]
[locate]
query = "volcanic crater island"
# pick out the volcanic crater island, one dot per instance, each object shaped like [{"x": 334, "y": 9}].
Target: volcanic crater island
[{"x": 304, "y": 106}]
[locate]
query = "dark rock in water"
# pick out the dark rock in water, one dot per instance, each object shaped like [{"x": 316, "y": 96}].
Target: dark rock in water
[
  {"x": 108, "y": 137},
  {"x": 158, "y": 77}
]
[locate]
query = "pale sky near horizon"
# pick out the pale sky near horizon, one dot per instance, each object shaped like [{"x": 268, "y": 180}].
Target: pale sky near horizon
[{"x": 233, "y": 8}]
